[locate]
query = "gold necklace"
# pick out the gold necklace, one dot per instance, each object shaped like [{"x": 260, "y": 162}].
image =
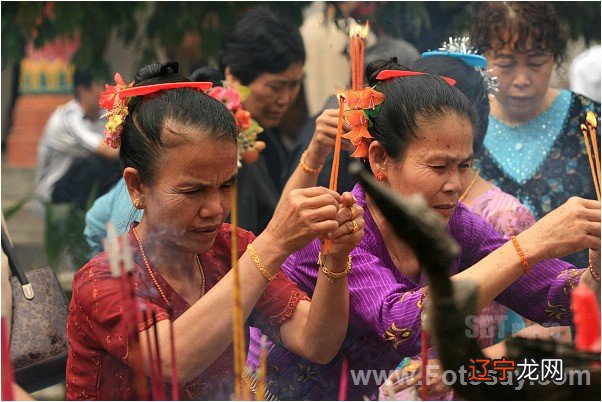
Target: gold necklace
[
  {"x": 150, "y": 271},
  {"x": 472, "y": 182}
]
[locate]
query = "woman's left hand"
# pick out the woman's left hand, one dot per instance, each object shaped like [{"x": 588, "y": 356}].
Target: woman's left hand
[{"x": 323, "y": 140}]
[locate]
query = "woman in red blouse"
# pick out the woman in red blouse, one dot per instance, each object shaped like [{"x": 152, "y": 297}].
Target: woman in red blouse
[{"x": 178, "y": 147}]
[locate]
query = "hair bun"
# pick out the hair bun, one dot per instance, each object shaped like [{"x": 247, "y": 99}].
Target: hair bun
[
  {"x": 154, "y": 72},
  {"x": 377, "y": 66}
]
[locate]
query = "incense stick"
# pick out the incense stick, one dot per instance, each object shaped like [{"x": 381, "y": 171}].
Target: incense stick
[
  {"x": 160, "y": 382},
  {"x": 592, "y": 123},
  {"x": 151, "y": 363},
  {"x": 133, "y": 317},
  {"x": 263, "y": 365},
  {"x": 344, "y": 380},
  {"x": 595, "y": 176},
  {"x": 175, "y": 395},
  {"x": 241, "y": 389},
  {"x": 334, "y": 173},
  {"x": 236, "y": 291},
  {"x": 425, "y": 357}
]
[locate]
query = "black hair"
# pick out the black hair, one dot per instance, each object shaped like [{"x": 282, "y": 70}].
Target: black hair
[
  {"x": 261, "y": 41},
  {"x": 386, "y": 47},
  {"x": 142, "y": 139},
  {"x": 82, "y": 77},
  {"x": 207, "y": 73},
  {"x": 469, "y": 81},
  {"x": 406, "y": 100},
  {"x": 530, "y": 23}
]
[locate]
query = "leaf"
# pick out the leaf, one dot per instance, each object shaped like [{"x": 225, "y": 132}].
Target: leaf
[
  {"x": 16, "y": 207},
  {"x": 372, "y": 113},
  {"x": 244, "y": 92}
]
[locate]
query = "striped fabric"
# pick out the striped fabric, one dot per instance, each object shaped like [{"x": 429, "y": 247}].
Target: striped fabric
[{"x": 385, "y": 307}]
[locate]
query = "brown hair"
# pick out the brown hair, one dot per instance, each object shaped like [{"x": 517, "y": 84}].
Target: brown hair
[{"x": 529, "y": 23}]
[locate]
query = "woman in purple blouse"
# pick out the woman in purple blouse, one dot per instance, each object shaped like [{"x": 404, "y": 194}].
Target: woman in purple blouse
[{"x": 422, "y": 143}]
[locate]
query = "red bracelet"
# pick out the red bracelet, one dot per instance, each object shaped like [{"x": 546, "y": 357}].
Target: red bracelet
[{"x": 521, "y": 254}]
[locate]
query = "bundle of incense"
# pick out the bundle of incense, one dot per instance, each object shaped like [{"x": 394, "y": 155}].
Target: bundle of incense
[
  {"x": 122, "y": 266},
  {"x": 241, "y": 388},
  {"x": 589, "y": 134},
  {"x": 357, "y": 46},
  {"x": 344, "y": 380},
  {"x": 175, "y": 391},
  {"x": 7, "y": 365},
  {"x": 334, "y": 173},
  {"x": 263, "y": 366}
]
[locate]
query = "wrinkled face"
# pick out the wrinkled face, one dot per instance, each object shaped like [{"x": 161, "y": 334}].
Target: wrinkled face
[
  {"x": 523, "y": 80},
  {"x": 88, "y": 99},
  {"x": 190, "y": 196},
  {"x": 272, "y": 94},
  {"x": 436, "y": 164}
]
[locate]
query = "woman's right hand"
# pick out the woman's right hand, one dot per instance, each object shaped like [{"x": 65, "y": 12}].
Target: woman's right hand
[
  {"x": 351, "y": 227},
  {"x": 323, "y": 140},
  {"x": 302, "y": 215},
  {"x": 572, "y": 227}
]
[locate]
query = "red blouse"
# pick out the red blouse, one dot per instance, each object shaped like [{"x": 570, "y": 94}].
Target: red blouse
[{"x": 98, "y": 348}]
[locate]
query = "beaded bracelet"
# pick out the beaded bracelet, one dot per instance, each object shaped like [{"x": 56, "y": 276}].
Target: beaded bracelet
[
  {"x": 307, "y": 169},
  {"x": 259, "y": 264},
  {"x": 595, "y": 275},
  {"x": 332, "y": 276},
  {"x": 521, "y": 254}
]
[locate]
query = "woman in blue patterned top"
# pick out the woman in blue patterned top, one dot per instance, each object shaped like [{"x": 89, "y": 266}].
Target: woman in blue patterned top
[{"x": 534, "y": 148}]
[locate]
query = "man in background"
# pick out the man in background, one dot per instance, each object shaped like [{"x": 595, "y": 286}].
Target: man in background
[{"x": 74, "y": 163}]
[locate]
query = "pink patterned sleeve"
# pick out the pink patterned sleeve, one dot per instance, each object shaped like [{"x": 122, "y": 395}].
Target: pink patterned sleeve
[{"x": 503, "y": 211}]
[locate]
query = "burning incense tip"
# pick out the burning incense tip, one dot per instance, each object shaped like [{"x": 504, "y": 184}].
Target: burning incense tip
[
  {"x": 591, "y": 119},
  {"x": 365, "y": 30}
]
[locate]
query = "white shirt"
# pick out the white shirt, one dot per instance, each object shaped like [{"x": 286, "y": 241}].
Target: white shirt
[{"x": 68, "y": 135}]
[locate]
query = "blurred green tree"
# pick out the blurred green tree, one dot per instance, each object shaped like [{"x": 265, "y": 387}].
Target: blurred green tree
[
  {"x": 192, "y": 30},
  {"x": 173, "y": 26}
]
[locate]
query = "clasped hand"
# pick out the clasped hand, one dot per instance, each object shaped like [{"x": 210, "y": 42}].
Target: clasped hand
[{"x": 307, "y": 213}]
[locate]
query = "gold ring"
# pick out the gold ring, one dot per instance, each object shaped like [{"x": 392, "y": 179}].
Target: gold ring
[
  {"x": 355, "y": 227},
  {"x": 353, "y": 212}
]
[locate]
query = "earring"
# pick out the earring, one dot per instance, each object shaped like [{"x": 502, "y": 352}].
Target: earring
[
  {"x": 138, "y": 204},
  {"x": 380, "y": 176}
]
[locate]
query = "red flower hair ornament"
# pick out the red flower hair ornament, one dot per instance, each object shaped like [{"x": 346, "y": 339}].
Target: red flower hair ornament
[
  {"x": 364, "y": 106},
  {"x": 116, "y": 98}
]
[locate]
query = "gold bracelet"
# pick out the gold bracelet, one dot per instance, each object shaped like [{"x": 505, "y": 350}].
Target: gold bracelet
[
  {"x": 521, "y": 254},
  {"x": 334, "y": 275},
  {"x": 595, "y": 275},
  {"x": 308, "y": 169},
  {"x": 258, "y": 263}
]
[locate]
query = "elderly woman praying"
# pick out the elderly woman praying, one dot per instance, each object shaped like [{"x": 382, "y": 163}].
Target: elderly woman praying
[
  {"x": 178, "y": 149},
  {"x": 421, "y": 142}
]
